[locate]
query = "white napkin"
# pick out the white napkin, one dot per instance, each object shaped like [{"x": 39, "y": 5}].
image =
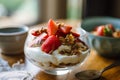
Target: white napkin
[{"x": 4, "y": 66}]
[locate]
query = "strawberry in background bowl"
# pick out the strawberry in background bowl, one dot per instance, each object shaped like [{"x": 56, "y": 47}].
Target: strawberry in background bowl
[
  {"x": 107, "y": 30},
  {"x": 56, "y": 48},
  {"x": 103, "y": 35}
]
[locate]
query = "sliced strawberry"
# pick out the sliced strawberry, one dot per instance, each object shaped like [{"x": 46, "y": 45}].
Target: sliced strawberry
[
  {"x": 38, "y": 40},
  {"x": 51, "y": 43},
  {"x": 35, "y": 33},
  {"x": 60, "y": 33},
  {"x": 65, "y": 29},
  {"x": 75, "y": 34},
  {"x": 52, "y": 27},
  {"x": 100, "y": 30}
]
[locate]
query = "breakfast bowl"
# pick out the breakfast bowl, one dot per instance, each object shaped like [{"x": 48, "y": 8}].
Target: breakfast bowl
[
  {"x": 55, "y": 48},
  {"x": 105, "y": 46}
]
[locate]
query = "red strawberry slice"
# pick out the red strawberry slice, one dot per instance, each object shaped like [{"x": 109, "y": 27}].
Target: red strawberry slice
[
  {"x": 52, "y": 27},
  {"x": 60, "y": 33},
  {"x": 35, "y": 33},
  {"x": 51, "y": 43},
  {"x": 75, "y": 34},
  {"x": 38, "y": 40},
  {"x": 65, "y": 29},
  {"x": 100, "y": 30}
]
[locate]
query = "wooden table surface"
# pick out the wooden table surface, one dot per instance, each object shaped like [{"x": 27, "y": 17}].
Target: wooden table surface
[{"x": 93, "y": 61}]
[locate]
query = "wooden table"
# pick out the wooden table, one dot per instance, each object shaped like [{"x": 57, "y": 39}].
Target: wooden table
[{"x": 93, "y": 61}]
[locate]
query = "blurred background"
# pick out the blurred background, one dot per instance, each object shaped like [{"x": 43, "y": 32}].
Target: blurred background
[{"x": 32, "y": 12}]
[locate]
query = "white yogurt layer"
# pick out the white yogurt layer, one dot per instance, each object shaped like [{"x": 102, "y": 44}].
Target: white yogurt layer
[{"x": 55, "y": 58}]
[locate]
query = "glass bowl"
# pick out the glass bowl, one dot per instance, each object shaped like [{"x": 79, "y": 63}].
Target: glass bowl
[{"x": 55, "y": 64}]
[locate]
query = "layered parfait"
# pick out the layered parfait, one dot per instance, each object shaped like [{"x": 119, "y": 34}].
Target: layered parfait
[{"x": 55, "y": 46}]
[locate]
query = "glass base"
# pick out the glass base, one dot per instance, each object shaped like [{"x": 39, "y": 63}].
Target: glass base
[{"x": 56, "y": 72}]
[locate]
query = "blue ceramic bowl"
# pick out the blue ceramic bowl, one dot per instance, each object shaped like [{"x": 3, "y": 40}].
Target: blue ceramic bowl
[{"x": 106, "y": 46}]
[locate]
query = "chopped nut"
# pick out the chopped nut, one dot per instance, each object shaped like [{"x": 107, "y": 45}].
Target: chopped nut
[
  {"x": 70, "y": 39},
  {"x": 62, "y": 39}
]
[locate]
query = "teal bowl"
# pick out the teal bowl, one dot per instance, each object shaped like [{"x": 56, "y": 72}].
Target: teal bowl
[{"x": 108, "y": 47}]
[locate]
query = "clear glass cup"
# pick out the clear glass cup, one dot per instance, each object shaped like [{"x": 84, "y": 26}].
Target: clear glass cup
[{"x": 42, "y": 60}]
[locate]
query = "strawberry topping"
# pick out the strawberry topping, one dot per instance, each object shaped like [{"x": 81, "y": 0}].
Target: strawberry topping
[
  {"x": 55, "y": 35},
  {"x": 51, "y": 43},
  {"x": 52, "y": 27}
]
